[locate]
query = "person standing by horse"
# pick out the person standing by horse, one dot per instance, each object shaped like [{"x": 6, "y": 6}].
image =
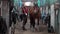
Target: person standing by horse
[{"x": 25, "y": 13}]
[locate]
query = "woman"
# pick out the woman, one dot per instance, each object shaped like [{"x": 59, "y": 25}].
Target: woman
[{"x": 25, "y": 14}]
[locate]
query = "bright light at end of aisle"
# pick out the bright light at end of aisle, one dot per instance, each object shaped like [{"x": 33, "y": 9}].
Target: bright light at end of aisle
[{"x": 27, "y": 3}]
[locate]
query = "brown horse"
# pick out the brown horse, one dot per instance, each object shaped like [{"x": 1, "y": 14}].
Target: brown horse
[
  {"x": 37, "y": 14},
  {"x": 34, "y": 14}
]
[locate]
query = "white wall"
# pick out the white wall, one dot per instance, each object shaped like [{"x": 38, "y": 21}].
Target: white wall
[
  {"x": 46, "y": 9},
  {"x": 5, "y": 11},
  {"x": 52, "y": 16},
  {"x": 1, "y": 7}
]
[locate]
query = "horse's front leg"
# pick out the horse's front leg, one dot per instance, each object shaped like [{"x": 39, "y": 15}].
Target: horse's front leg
[{"x": 37, "y": 21}]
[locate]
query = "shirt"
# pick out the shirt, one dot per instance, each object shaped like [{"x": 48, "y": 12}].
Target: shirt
[{"x": 25, "y": 10}]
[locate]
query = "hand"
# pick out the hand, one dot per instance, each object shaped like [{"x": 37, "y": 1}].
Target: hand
[{"x": 25, "y": 13}]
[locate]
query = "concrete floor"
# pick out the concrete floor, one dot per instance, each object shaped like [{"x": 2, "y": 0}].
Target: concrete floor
[{"x": 42, "y": 28}]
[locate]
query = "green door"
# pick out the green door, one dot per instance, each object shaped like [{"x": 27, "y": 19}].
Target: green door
[{"x": 57, "y": 21}]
